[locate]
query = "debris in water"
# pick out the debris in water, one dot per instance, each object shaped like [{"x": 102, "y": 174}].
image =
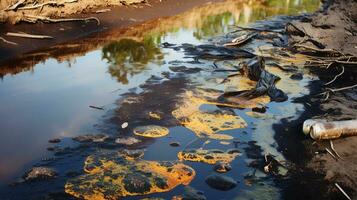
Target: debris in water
[
  {"x": 208, "y": 156},
  {"x": 111, "y": 176},
  {"x": 151, "y": 131},
  {"x": 96, "y": 107},
  {"x": 321, "y": 129}
]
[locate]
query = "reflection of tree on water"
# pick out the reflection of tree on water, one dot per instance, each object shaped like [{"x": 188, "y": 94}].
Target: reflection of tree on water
[{"x": 130, "y": 57}]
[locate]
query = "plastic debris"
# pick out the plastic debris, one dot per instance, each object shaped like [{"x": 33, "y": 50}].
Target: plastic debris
[{"x": 322, "y": 129}]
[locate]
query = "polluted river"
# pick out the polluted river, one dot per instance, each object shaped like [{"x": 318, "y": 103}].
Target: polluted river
[{"x": 160, "y": 110}]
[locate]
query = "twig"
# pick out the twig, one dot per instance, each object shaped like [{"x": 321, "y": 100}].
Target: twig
[
  {"x": 328, "y": 151},
  {"x": 34, "y": 19},
  {"x": 328, "y": 90},
  {"x": 340, "y": 74},
  {"x": 95, "y": 107},
  {"x": 7, "y": 41},
  {"x": 26, "y": 35},
  {"x": 343, "y": 192},
  {"x": 333, "y": 149},
  {"x": 17, "y": 4}
]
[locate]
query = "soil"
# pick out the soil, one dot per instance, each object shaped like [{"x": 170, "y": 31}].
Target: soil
[{"x": 335, "y": 27}]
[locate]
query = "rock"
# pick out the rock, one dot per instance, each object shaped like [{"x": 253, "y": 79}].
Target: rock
[
  {"x": 91, "y": 138},
  {"x": 175, "y": 144},
  {"x": 127, "y": 141},
  {"x": 192, "y": 194},
  {"x": 132, "y": 154},
  {"x": 124, "y": 125},
  {"x": 55, "y": 140},
  {"x": 222, "y": 167},
  {"x": 221, "y": 182},
  {"x": 39, "y": 173},
  {"x": 297, "y": 76},
  {"x": 151, "y": 131}
]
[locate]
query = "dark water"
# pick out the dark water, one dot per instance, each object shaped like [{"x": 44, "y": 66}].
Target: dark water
[{"x": 51, "y": 100}]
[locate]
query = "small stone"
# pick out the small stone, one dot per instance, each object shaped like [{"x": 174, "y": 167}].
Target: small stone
[
  {"x": 127, "y": 141},
  {"x": 39, "y": 173},
  {"x": 222, "y": 167},
  {"x": 297, "y": 76},
  {"x": 175, "y": 144},
  {"x": 124, "y": 125},
  {"x": 55, "y": 140},
  {"x": 221, "y": 182}
]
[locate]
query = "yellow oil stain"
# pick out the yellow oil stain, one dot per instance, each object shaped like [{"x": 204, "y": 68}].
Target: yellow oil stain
[
  {"x": 151, "y": 131},
  {"x": 208, "y": 156},
  {"x": 205, "y": 124},
  {"x": 111, "y": 176}
]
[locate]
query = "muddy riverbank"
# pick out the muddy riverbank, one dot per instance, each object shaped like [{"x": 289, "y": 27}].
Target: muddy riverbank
[{"x": 335, "y": 27}]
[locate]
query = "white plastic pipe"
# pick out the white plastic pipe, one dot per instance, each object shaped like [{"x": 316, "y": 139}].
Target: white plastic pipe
[{"x": 322, "y": 129}]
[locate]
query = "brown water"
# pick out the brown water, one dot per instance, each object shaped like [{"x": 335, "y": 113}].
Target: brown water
[{"x": 51, "y": 99}]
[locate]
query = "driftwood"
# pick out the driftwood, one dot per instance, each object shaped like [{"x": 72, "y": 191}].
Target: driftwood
[
  {"x": 321, "y": 129},
  {"x": 96, "y": 107},
  {"x": 26, "y": 35},
  {"x": 34, "y": 19},
  {"x": 7, "y": 41}
]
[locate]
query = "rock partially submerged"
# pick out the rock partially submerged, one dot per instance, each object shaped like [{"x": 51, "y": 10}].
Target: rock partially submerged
[
  {"x": 222, "y": 167},
  {"x": 39, "y": 173},
  {"x": 221, "y": 182},
  {"x": 127, "y": 141},
  {"x": 91, "y": 138}
]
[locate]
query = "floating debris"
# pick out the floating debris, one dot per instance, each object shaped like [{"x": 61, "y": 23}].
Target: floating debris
[
  {"x": 151, "y": 131},
  {"x": 39, "y": 173},
  {"x": 111, "y": 176},
  {"x": 208, "y": 156},
  {"x": 221, "y": 182},
  {"x": 127, "y": 141}
]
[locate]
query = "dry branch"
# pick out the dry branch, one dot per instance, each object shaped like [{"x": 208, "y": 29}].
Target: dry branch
[
  {"x": 343, "y": 192},
  {"x": 7, "y": 41},
  {"x": 340, "y": 74},
  {"x": 26, "y": 35}
]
